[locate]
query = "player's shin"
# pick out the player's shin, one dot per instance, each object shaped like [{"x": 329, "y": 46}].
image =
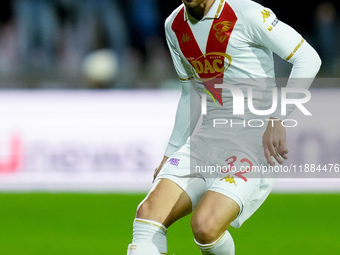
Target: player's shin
[
  {"x": 149, "y": 238},
  {"x": 224, "y": 245}
]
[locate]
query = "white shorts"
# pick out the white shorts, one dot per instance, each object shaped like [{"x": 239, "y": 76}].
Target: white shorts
[{"x": 207, "y": 163}]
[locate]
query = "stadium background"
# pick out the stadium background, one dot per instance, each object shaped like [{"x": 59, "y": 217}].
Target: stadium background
[{"x": 78, "y": 145}]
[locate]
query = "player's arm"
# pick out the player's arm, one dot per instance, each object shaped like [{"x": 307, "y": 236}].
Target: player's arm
[
  {"x": 187, "y": 115},
  {"x": 188, "y": 109},
  {"x": 306, "y": 64},
  {"x": 266, "y": 30}
]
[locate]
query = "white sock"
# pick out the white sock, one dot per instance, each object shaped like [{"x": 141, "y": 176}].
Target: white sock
[
  {"x": 224, "y": 245},
  {"x": 149, "y": 238}
]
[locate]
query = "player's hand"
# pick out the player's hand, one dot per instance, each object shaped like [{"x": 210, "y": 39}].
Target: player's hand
[
  {"x": 274, "y": 142},
  {"x": 159, "y": 168}
]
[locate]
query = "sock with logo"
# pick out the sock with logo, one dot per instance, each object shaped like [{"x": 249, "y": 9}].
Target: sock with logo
[{"x": 149, "y": 238}]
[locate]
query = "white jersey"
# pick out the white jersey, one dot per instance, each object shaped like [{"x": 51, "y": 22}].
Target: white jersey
[
  {"x": 249, "y": 33},
  {"x": 232, "y": 44}
]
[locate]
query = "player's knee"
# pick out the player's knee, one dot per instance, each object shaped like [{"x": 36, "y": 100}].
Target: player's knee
[
  {"x": 205, "y": 229},
  {"x": 144, "y": 210}
]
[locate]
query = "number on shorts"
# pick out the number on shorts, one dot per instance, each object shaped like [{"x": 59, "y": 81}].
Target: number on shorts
[{"x": 231, "y": 160}]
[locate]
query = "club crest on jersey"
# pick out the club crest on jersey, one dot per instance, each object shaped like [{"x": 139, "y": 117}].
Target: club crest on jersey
[{"x": 221, "y": 30}]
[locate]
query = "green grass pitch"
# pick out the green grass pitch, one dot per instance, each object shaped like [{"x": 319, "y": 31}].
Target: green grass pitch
[{"x": 101, "y": 224}]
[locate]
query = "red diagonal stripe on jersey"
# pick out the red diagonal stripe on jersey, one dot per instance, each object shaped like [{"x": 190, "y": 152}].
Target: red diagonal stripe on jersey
[{"x": 218, "y": 40}]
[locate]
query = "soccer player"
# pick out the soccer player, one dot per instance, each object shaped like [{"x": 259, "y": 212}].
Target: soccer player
[{"x": 220, "y": 48}]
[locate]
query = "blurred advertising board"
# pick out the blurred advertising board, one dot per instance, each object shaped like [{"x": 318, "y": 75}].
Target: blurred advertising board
[{"x": 112, "y": 140}]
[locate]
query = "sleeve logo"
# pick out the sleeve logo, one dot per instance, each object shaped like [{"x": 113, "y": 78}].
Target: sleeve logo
[
  {"x": 265, "y": 15},
  {"x": 274, "y": 23}
]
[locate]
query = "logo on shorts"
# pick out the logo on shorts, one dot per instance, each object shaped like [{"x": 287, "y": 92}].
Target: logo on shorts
[
  {"x": 132, "y": 247},
  {"x": 174, "y": 161},
  {"x": 229, "y": 179}
]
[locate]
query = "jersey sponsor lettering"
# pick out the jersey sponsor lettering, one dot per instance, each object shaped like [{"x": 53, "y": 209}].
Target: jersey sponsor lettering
[{"x": 211, "y": 63}]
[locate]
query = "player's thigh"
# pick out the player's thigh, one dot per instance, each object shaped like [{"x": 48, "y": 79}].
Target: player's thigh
[
  {"x": 165, "y": 203},
  {"x": 213, "y": 216}
]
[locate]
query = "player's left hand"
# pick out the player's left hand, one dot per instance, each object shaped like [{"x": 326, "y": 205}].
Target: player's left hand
[{"x": 274, "y": 142}]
